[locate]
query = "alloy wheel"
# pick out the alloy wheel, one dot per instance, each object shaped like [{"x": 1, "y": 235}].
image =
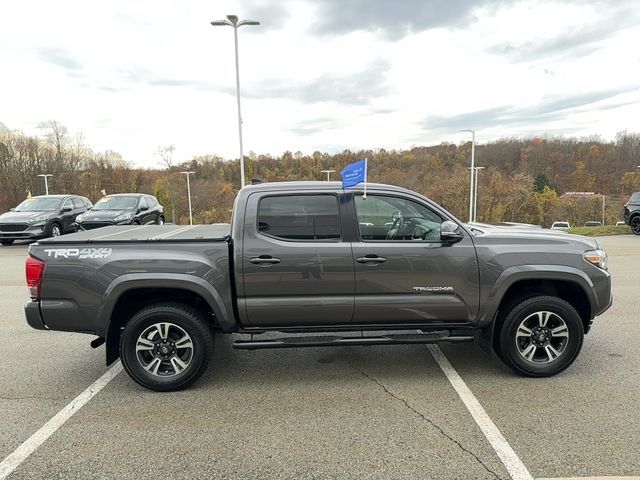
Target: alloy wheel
[
  {"x": 542, "y": 337},
  {"x": 164, "y": 349}
]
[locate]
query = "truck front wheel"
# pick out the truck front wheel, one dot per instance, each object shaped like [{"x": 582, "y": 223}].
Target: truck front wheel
[
  {"x": 166, "y": 346},
  {"x": 541, "y": 336}
]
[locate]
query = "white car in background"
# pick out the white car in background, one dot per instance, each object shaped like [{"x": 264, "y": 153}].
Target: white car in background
[{"x": 560, "y": 225}]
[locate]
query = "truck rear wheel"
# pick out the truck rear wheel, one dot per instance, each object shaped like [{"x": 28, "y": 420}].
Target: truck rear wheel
[
  {"x": 541, "y": 336},
  {"x": 166, "y": 346}
]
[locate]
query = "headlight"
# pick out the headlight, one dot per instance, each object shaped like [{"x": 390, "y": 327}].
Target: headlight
[
  {"x": 41, "y": 218},
  {"x": 124, "y": 216},
  {"x": 79, "y": 218},
  {"x": 597, "y": 258}
]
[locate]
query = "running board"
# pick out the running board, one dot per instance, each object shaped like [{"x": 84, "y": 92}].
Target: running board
[{"x": 336, "y": 341}]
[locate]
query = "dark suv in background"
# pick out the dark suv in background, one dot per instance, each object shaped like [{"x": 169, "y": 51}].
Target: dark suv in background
[
  {"x": 632, "y": 213},
  {"x": 42, "y": 216},
  {"x": 123, "y": 209}
]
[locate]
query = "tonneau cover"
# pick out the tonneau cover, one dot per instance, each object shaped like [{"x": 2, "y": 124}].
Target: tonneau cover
[{"x": 216, "y": 232}]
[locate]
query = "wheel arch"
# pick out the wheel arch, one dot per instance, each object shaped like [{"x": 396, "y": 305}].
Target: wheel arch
[
  {"x": 525, "y": 281},
  {"x": 131, "y": 293}
]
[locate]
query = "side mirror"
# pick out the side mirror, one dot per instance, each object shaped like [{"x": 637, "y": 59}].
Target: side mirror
[
  {"x": 66, "y": 209},
  {"x": 450, "y": 232},
  {"x": 89, "y": 208},
  {"x": 143, "y": 208}
]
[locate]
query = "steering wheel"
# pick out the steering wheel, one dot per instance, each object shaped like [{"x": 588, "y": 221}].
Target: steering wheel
[{"x": 397, "y": 226}]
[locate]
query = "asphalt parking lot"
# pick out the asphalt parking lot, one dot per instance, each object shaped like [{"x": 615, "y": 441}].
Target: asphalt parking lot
[{"x": 359, "y": 412}]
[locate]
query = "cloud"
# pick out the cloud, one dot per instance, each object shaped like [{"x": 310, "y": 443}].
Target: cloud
[
  {"x": 551, "y": 108},
  {"x": 138, "y": 75},
  {"x": 393, "y": 19},
  {"x": 358, "y": 88},
  {"x": 271, "y": 15},
  {"x": 314, "y": 125},
  {"x": 571, "y": 44},
  {"x": 60, "y": 58}
]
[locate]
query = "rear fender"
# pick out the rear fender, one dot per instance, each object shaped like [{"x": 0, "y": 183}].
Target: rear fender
[{"x": 125, "y": 283}]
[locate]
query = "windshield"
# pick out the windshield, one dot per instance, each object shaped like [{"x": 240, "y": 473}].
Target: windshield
[
  {"x": 39, "y": 205},
  {"x": 116, "y": 203}
]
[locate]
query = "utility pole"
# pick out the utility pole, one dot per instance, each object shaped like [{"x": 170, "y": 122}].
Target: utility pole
[
  {"x": 46, "y": 184},
  {"x": 473, "y": 155},
  {"x": 328, "y": 172},
  {"x": 189, "y": 195},
  {"x": 232, "y": 21}
]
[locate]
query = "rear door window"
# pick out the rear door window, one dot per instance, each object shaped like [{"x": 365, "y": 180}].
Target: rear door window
[{"x": 300, "y": 217}]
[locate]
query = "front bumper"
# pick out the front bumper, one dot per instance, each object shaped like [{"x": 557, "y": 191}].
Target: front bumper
[
  {"x": 33, "y": 232},
  {"x": 91, "y": 225},
  {"x": 34, "y": 318}
]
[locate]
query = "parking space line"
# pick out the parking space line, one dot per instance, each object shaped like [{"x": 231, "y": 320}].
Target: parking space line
[
  {"x": 20, "y": 454},
  {"x": 592, "y": 478},
  {"x": 508, "y": 456}
]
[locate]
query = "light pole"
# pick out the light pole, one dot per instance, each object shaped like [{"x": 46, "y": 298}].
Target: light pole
[
  {"x": 475, "y": 192},
  {"x": 328, "y": 172},
  {"x": 189, "y": 195},
  {"x": 46, "y": 184},
  {"x": 473, "y": 156},
  {"x": 232, "y": 21}
]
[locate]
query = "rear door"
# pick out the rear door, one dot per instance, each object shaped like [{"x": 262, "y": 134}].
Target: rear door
[
  {"x": 297, "y": 269},
  {"x": 404, "y": 273}
]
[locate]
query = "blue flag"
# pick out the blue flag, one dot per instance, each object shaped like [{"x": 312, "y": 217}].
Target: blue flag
[{"x": 354, "y": 173}]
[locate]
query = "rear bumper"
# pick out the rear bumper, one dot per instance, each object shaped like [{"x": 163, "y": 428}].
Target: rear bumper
[{"x": 34, "y": 318}]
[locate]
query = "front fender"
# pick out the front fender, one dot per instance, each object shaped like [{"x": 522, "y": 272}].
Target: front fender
[{"x": 517, "y": 273}]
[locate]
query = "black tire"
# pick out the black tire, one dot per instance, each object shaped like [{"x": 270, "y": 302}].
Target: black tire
[
  {"x": 635, "y": 225},
  {"x": 52, "y": 230},
  {"x": 6, "y": 243},
  {"x": 160, "y": 220},
  {"x": 135, "y": 222},
  {"x": 184, "y": 318},
  {"x": 512, "y": 348}
]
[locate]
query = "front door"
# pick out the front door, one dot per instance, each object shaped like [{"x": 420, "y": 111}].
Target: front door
[
  {"x": 404, "y": 273},
  {"x": 297, "y": 270},
  {"x": 68, "y": 216}
]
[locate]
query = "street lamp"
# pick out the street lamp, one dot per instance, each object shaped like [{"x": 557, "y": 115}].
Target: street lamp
[
  {"x": 189, "y": 195},
  {"x": 328, "y": 172},
  {"x": 46, "y": 184},
  {"x": 232, "y": 21},
  {"x": 475, "y": 191},
  {"x": 473, "y": 156}
]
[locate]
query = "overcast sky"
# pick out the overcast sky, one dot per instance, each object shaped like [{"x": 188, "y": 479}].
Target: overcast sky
[{"x": 318, "y": 75}]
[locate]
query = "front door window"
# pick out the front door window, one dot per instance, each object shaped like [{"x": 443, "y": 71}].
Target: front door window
[{"x": 385, "y": 218}]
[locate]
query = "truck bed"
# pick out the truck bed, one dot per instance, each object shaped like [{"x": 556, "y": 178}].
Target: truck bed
[{"x": 146, "y": 233}]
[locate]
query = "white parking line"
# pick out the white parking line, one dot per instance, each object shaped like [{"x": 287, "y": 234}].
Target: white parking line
[
  {"x": 509, "y": 458},
  {"x": 20, "y": 454},
  {"x": 592, "y": 478}
]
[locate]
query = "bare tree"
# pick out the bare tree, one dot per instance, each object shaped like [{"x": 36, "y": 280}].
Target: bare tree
[{"x": 166, "y": 155}]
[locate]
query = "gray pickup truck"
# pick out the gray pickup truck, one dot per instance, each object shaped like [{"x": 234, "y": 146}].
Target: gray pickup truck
[{"x": 310, "y": 264}]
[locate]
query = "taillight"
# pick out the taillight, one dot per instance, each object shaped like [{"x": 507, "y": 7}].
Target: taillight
[{"x": 34, "y": 269}]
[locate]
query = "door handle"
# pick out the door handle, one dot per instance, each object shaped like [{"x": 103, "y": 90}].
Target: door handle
[
  {"x": 371, "y": 259},
  {"x": 264, "y": 260}
]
